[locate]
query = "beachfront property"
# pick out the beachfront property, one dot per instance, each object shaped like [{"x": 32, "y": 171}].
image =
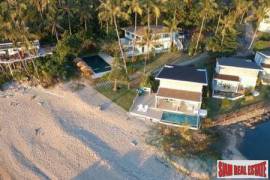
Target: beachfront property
[
  {"x": 264, "y": 25},
  {"x": 234, "y": 77},
  {"x": 263, "y": 59},
  {"x": 178, "y": 99},
  {"x": 12, "y": 53},
  {"x": 161, "y": 40}
]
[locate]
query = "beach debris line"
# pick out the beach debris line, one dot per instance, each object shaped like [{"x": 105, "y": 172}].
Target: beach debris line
[{"x": 248, "y": 115}]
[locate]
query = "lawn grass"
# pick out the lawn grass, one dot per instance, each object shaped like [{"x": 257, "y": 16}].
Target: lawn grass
[
  {"x": 262, "y": 42},
  {"x": 122, "y": 97},
  {"x": 261, "y": 45},
  {"x": 160, "y": 60}
]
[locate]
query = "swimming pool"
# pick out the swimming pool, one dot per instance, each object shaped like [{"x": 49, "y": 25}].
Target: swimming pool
[
  {"x": 180, "y": 119},
  {"x": 97, "y": 64}
]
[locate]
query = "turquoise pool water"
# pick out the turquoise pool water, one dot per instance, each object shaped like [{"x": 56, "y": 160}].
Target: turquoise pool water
[
  {"x": 97, "y": 64},
  {"x": 180, "y": 119}
]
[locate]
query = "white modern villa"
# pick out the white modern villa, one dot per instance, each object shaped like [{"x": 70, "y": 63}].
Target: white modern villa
[
  {"x": 161, "y": 40},
  {"x": 234, "y": 76},
  {"x": 178, "y": 99},
  {"x": 263, "y": 60},
  {"x": 265, "y": 24}
]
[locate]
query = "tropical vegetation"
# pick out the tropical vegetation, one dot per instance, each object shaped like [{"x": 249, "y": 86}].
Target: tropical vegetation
[{"x": 75, "y": 27}]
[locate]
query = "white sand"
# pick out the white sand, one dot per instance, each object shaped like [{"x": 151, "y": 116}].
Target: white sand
[{"x": 60, "y": 134}]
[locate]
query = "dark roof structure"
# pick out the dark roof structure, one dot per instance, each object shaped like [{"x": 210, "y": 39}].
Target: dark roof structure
[
  {"x": 179, "y": 94},
  {"x": 238, "y": 62},
  {"x": 227, "y": 77},
  {"x": 183, "y": 73}
]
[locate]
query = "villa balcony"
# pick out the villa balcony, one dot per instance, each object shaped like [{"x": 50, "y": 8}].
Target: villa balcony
[
  {"x": 126, "y": 42},
  {"x": 129, "y": 51},
  {"x": 227, "y": 87},
  {"x": 227, "y": 95}
]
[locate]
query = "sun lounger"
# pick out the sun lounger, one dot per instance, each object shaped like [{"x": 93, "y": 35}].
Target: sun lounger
[
  {"x": 145, "y": 109},
  {"x": 140, "y": 108}
]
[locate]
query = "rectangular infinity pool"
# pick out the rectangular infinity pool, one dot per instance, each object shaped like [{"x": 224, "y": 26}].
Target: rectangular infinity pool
[
  {"x": 97, "y": 64},
  {"x": 180, "y": 119}
]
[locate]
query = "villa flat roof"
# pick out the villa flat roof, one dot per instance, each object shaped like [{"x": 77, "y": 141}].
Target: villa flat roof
[
  {"x": 227, "y": 77},
  {"x": 179, "y": 94},
  {"x": 238, "y": 62},
  {"x": 266, "y": 65},
  {"x": 183, "y": 73},
  {"x": 140, "y": 30}
]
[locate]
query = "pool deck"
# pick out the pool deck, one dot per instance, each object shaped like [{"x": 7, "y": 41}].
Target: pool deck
[
  {"x": 105, "y": 57},
  {"x": 148, "y": 100},
  {"x": 153, "y": 114}
]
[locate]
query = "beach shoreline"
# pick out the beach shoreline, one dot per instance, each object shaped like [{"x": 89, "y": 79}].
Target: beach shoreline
[
  {"x": 233, "y": 136},
  {"x": 58, "y": 133}
]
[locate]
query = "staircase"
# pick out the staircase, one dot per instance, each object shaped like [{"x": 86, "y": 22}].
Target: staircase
[{"x": 178, "y": 44}]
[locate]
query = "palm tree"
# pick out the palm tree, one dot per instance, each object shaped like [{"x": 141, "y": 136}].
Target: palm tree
[
  {"x": 220, "y": 11},
  {"x": 113, "y": 9},
  {"x": 228, "y": 25},
  {"x": 147, "y": 39},
  {"x": 13, "y": 28},
  {"x": 258, "y": 14},
  {"x": 118, "y": 74},
  {"x": 241, "y": 7},
  {"x": 103, "y": 17},
  {"x": 207, "y": 11},
  {"x": 174, "y": 8},
  {"x": 156, "y": 12},
  {"x": 40, "y": 5},
  {"x": 172, "y": 25},
  {"x": 84, "y": 9},
  {"x": 53, "y": 21},
  {"x": 67, "y": 10},
  {"x": 134, "y": 7}
]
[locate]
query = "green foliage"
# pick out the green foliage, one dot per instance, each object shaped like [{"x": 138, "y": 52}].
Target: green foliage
[
  {"x": 261, "y": 45},
  {"x": 182, "y": 142},
  {"x": 229, "y": 46},
  {"x": 149, "y": 81},
  {"x": 4, "y": 77},
  {"x": 225, "y": 104},
  {"x": 118, "y": 72},
  {"x": 264, "y": 37}
]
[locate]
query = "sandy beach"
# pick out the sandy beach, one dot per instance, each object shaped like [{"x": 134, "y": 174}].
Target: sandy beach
[{"x": 58, "y": 133}]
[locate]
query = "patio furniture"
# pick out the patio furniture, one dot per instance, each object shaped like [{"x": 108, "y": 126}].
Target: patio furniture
[
  {"x": 140, "y": 91},
  {"x": 140, "y": 108},
  {"x": 145, "y": 109},
  {"x": 255, "y": 93}
]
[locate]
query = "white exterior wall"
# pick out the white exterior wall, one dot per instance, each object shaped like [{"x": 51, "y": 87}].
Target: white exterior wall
[
  {"x": 165, "y": 41},
  {"x": 259, "y": 58},
  {"x": 265, "y": 24},
  {"x": 181, "y": 85},
  {"x": 248, "y": 77},
  {"x": 267, "y": 70}
]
